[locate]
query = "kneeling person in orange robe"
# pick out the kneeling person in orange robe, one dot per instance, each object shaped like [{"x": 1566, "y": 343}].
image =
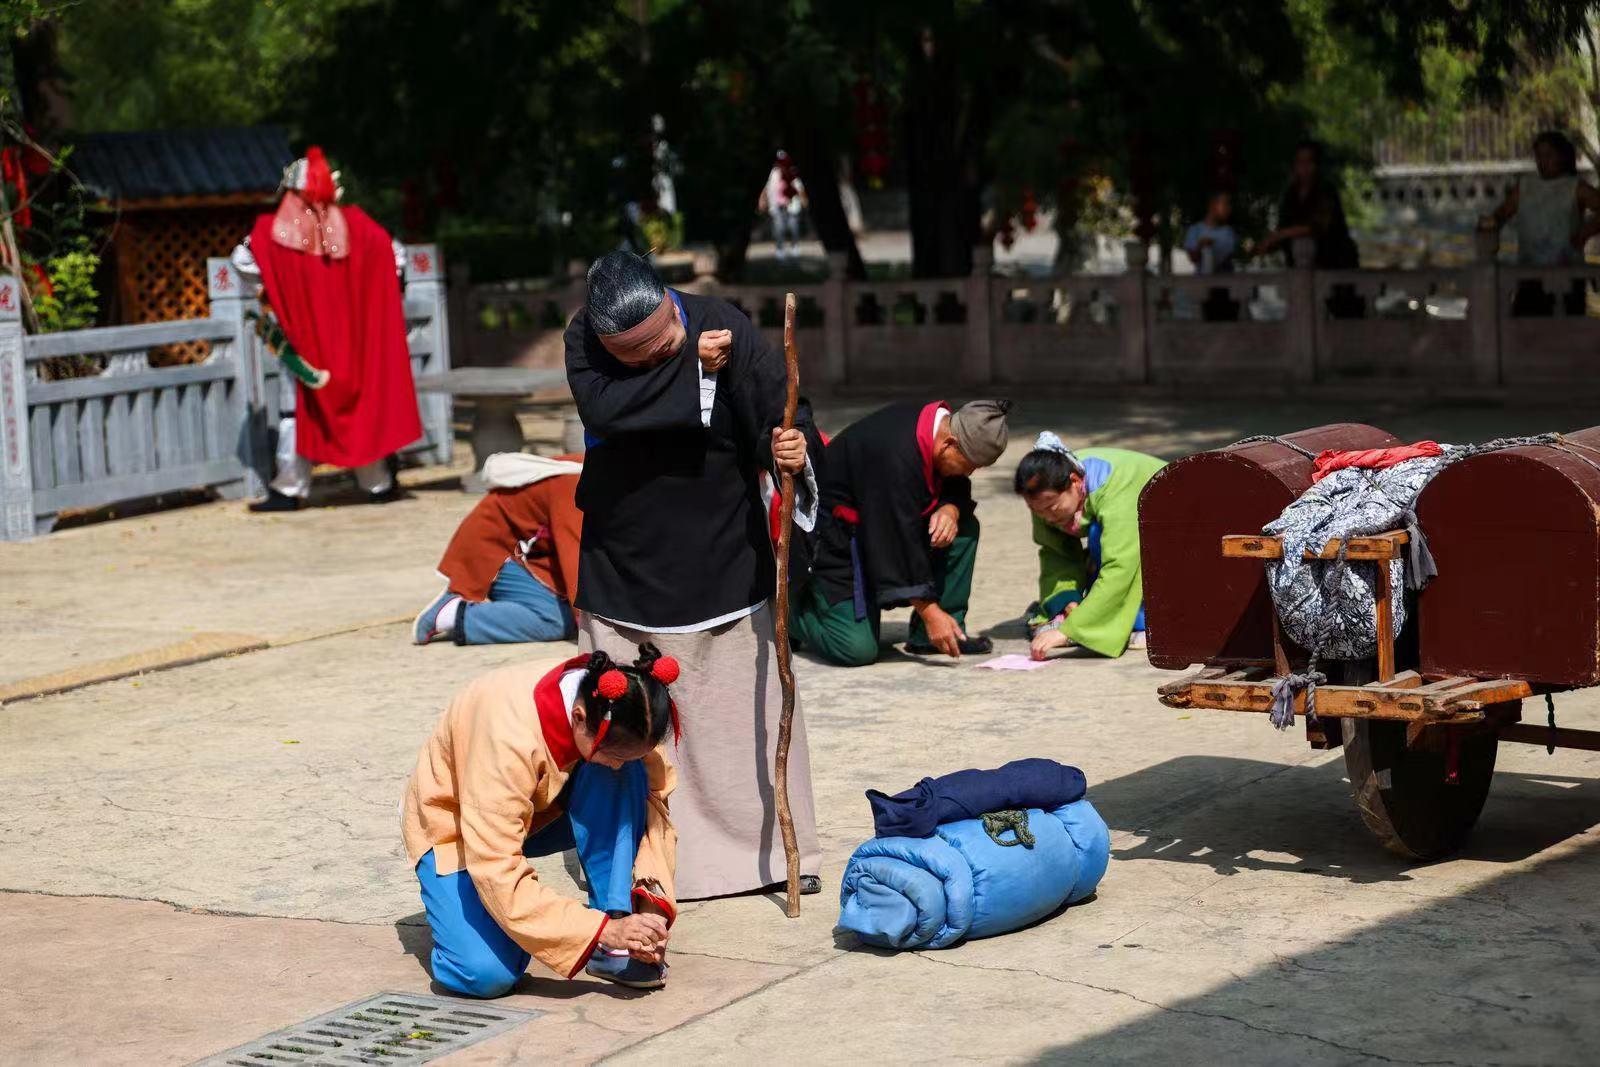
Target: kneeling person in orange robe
[{"x": 527, "y": 766}]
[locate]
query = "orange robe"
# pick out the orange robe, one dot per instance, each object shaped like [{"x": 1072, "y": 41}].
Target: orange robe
[
  {"x": 488, "y": 777},
  {"x": 538, "y": 525}
]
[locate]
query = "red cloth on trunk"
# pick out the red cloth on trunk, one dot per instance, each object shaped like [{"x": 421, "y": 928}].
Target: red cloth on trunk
[
  {"x": 344, "y": 316},
  {"x": 1371, "y": 458}
]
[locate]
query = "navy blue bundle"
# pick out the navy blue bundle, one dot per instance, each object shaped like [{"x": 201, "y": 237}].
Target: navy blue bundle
[{"x": 1021, "y": 784}]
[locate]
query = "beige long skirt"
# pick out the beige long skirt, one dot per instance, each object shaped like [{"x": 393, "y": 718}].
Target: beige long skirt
[{"x": 725, "y": 807}]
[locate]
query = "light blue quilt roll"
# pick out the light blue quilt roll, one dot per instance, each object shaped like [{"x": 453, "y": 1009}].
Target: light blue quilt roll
[{"x": 930, "y": 892}]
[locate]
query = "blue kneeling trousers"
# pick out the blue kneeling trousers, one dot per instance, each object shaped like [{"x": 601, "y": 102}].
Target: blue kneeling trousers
[
  {"x": 604, "y": 818},
  {"x": 520, "y": 608}
]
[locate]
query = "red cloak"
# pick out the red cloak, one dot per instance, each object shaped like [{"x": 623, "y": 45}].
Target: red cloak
[{"x": 345, "y": 316}]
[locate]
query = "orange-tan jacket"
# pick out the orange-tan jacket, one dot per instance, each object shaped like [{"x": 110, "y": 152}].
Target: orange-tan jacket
[{"x": 488, "y": 777}]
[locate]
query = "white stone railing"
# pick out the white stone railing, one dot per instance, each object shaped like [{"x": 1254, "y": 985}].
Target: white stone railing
[
  {"x": 1484, "y": 329},
  {"x": 133, "y": 431}
]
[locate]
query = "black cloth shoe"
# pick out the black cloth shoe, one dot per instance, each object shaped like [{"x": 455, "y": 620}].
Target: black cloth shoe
[
  {"x": 810, "y": 885},
  {"x": 389, "y": 495},
  {"x": 276, "y": 501},
  {"x": 969, "y": 646}
]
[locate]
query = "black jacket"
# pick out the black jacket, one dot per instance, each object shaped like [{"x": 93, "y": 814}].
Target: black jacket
[
  {"x": 877, "y": 470},
  {"x": 673, "y": 528}
]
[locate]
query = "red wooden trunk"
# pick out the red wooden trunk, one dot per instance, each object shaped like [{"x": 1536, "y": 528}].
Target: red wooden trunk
[
  {"x": 1199, "y": 607},
  {"x": 1517, "y": 539}
]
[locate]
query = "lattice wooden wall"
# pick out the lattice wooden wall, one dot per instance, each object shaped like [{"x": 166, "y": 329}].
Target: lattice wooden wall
[{"x": 161, "y": 266}]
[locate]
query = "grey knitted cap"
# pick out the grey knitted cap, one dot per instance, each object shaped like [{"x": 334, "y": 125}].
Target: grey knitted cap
[{"x": 980, "y": 430}]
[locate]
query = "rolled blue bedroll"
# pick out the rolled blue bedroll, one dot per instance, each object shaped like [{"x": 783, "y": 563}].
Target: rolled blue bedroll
[{"x": 930, "y": 892}]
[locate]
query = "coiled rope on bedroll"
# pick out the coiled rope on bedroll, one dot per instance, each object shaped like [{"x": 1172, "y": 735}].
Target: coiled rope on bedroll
[{"x": 996, "y": 823}]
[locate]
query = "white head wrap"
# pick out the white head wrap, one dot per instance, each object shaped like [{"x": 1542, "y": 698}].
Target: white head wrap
[{"x": 1047, "y": 441}]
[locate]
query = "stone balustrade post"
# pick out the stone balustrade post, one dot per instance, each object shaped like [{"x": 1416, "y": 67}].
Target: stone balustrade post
[
  {"x": 835, "y": 312},
  {"x": 425, "y": 283},
  {"x": 1483, "y": 308},
  {"x": 1133, "y": 317},
  {"x": 1301, "y": 351},
  {"x": 977, "y": 356},
  {"x": 16, "y": 467},
  {"x": 230, "y": 297}
]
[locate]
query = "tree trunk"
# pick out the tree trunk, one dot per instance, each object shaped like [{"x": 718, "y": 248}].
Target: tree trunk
[
  {"x": 817, "y": 173},
  {"x": 943, "y": 132},
  {"x": 733, "y": 252}
]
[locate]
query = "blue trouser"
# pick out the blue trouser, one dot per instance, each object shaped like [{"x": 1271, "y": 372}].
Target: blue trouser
[
  {"x": 603, "y": 819},
  {"x": 519, "y": 608}
]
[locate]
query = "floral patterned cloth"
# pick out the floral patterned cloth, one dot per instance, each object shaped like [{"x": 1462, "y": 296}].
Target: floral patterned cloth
[{"x": 1327, "y": 606}]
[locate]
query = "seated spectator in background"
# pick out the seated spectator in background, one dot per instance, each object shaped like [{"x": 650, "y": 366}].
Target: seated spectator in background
[
  {"x": 897, "y": 527},
  {"x": 1549, "y": 207},
  {"x": 1311, "y": 208},
  {"x": 1086, "y": 523},
  {"x": 1210, "y": 242},
  {"x": 512, "y": 565}
]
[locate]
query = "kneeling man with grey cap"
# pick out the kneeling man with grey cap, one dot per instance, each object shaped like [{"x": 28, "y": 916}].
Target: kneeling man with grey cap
[{"x": 897, "y": 528}]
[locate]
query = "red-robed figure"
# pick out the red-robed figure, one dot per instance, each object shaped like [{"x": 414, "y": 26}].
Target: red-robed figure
[{"x": 328, "y": 276}]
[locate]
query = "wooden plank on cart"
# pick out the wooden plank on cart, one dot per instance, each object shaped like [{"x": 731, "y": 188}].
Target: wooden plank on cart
[
  {"x": 1403, "y": 702},
  {"x": 1262, "y": 546}
]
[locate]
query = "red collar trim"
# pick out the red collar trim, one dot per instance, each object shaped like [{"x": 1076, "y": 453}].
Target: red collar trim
[
  {"x": 553, "y": 722},
  {"x": 925, "y": 446}
]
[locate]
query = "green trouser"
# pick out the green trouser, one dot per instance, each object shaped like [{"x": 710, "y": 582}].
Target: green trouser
[{"x": 833, "y": 632}]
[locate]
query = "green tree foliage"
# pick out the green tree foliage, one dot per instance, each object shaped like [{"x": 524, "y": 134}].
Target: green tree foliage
[
  {"x": 154, "y": 64},
  {"x": 529, "y": 122},
  {"x": 71, "y": 301}
]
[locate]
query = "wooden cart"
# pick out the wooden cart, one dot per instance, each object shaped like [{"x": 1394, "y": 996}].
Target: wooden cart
[{"x": 1420, "y": 749}]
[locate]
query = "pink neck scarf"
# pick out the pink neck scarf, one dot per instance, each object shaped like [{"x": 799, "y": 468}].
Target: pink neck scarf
[{"x": 319, "y": 230}]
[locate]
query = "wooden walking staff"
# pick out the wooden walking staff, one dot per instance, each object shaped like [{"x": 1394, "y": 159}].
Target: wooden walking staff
[{"x": 791, "y": 849}]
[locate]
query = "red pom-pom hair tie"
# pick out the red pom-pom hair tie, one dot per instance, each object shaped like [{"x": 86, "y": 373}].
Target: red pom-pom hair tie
[
  {"x": 665, "y": 670},
  {"x": 613, "y": 685}
]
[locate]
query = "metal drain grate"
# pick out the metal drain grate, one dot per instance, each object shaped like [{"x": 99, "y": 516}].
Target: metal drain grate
[{"x": 391, "y": 1028}]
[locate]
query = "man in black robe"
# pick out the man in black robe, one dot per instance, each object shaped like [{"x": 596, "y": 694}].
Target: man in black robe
[
  {"x": 898, "y": 527},
  {"x": 682, "y": 399}
]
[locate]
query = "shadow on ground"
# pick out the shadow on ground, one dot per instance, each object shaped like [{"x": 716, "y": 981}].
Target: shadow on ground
[
  {"x": 1476, "y": 958},
  {"x": 417, "y": 940},
  {"x": 1302, "y": 818}
]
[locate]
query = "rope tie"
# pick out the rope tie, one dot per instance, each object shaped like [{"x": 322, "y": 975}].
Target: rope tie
[
  {"x": 1284, "y": 691},
  {"x": 1273, "y": 439},
  {"x": 996, "y": 823}
]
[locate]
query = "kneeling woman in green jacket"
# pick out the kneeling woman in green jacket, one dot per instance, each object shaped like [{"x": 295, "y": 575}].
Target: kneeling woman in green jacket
[{"x": 1086, "y": 523}]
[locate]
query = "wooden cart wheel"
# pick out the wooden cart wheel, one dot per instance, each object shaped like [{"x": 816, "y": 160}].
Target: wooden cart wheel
[{"x": 1402, "y": 793}]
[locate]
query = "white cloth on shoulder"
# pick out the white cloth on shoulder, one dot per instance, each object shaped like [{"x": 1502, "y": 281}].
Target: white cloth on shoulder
[{"x": 513, "y": 470}]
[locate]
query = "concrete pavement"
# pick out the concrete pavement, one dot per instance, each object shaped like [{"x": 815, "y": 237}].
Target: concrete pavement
[{"x": 193, "y": 858}]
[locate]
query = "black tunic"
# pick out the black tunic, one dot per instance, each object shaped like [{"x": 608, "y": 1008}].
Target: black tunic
[
  {"x": 673, "y": 529},
  {"x": 877, "y": 471}
]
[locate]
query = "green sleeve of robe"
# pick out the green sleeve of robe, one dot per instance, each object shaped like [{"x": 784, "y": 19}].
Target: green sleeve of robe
[
  {"x": 1104, "y": 621},
  {"x": 1063, "y": 570}
]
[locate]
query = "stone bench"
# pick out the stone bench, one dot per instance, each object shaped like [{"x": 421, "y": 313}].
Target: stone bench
[{"x": 496, "y": 393}]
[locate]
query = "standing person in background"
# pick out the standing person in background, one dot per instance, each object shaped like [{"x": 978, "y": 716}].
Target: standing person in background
[
  {"x": 1210, "y": 242},
  {"x": 1310, "y": 208},
  {"x": 781, "y": 198},
  {"x": 1549, "y": 207},
  {"x": 685, "y": 400},
  {"x": 328, "y": 279}
]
